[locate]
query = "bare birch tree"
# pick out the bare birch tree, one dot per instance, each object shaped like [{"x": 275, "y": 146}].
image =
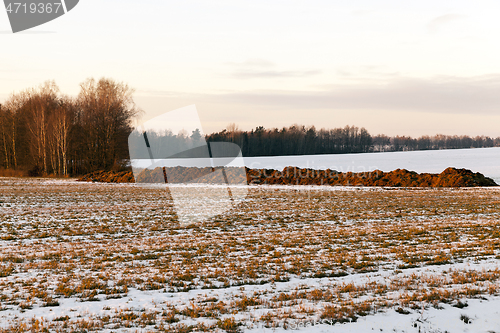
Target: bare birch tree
[
  {"x": 41, "y": 102},
  {"x": 61, "y": 121},
  {"x": 106, "y": 109}
]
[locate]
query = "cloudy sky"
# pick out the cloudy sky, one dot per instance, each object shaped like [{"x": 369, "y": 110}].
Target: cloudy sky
[{"x": 394, "y": 67}]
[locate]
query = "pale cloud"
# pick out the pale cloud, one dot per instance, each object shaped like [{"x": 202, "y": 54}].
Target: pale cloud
[
  {"x": 362, "y": 12},
  {"x": 264, "y": 69},
  {"x": 366, "y": 73},
  {"x": 451, "y": 95},
  {"x": 443, "y": 94},
  {"x": 253, "y": 74},
  {"x": 253, "y": 63},
  {"x": 438, "y": 22}
]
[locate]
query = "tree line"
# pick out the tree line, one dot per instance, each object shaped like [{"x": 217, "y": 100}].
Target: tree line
[
  {"x": 301, "y": 140},
  {"x": 45, "y": 132}
]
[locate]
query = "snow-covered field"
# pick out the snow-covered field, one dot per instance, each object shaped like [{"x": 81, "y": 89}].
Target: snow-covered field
[
  {"x": 483, "y": 160},
  {"x": 113, "y": 257}
]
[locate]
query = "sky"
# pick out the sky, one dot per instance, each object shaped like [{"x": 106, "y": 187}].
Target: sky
[{"x": 393, "y": 67}]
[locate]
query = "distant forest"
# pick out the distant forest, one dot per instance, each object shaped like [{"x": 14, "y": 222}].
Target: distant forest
[
  {"x": 301, "y": 140},
  {"x": 43, "y": 132}
]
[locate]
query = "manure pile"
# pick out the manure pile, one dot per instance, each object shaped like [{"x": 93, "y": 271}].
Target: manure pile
[{"x": 451, "y": 177}]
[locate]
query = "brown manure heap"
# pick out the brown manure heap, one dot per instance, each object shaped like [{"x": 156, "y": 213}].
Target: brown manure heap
[
  {"x": 451, "y": 177},
  {"x": 109, "y": 177}
]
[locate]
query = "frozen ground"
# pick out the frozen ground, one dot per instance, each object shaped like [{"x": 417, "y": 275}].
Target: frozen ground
[
  {"x": 112, "y": 257},
  {"x": 480, "y": 315}
]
